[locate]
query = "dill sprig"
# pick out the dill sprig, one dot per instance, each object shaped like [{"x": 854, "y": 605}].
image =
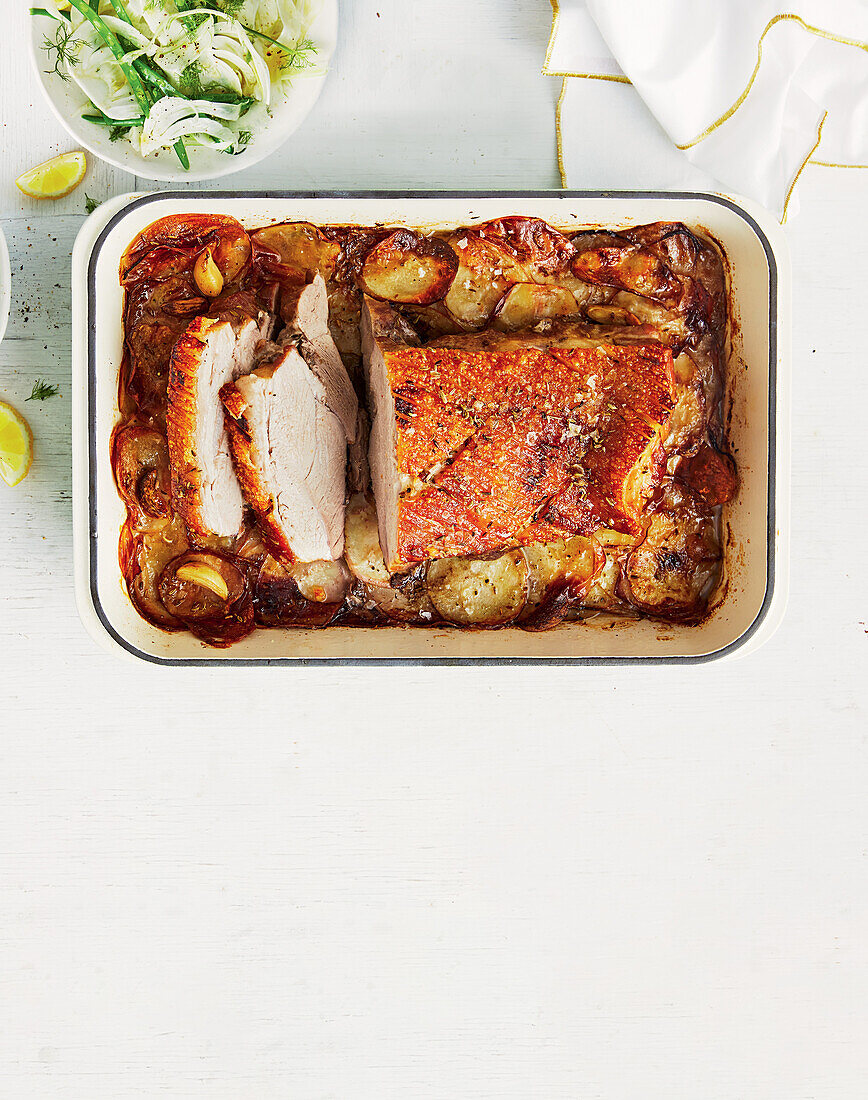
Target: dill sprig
[
  {"x": 230, "y": 7},
  {"x": 42, "y": 391},
  {"x": 297, "y": 57},
  {"x": 64, "y": 51},
  {"x": 242, "y": 140},
  {"x": 190, "y": 80}
]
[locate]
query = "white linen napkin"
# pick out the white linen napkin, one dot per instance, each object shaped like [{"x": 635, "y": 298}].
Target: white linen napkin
[{"x": 747, "y": 92}]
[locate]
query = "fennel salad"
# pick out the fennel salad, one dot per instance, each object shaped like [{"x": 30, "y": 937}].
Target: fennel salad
[{"x": 176, "y": 74}]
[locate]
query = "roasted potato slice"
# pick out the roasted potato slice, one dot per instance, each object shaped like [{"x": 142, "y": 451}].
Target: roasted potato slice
[
  {"x": 630, "y": 267},
  {"x": 669, "y": 324},
  {"x": 474, "y": 592},
  {"x": 673, "y": 570},
  {"x": 526, "y": 304},
  {"x": 497, "y": 255},
  {"x": 362, "y": 542},
  {"x": 485, "y": 273},
  {"x": 365, "y": 559},
  {"x": 610, "y": 315},
  {"x": 209, "y": 593},
  {"x": 407, "y": 268},
  {"x": 673, "y": 242},
  {"x": 280, "y": 600},
  {"x": 567, "y": 563},
  {"x": 299, "y": 245},
  {"x": 321, "y": 581},
  {"x": 541, "y": 252}
]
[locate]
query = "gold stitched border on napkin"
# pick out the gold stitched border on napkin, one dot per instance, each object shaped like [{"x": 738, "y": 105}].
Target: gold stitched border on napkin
[
  {"x": 759, "y": 56},
  {"x": 788, "y": 16},
  {"x": 546, "y": 71}
]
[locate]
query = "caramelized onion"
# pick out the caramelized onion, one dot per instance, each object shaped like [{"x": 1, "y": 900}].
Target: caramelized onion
[
  {"x": 180, "y": 238},
  {"x": 213, "y": 618},
  {"x": 140, "y": 458}
]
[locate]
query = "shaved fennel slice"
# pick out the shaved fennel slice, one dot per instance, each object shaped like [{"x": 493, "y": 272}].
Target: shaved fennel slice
[
  {"x": 226, "y": 52},
  {"x": 123, "y": 29},
  {"x": 171, "y": 118},
  {"x": 263, "y": 73},
  {"x": 286, "y": 21},
  {"x": 98, "y": 74},
  {"x": 147, "y": 14}
]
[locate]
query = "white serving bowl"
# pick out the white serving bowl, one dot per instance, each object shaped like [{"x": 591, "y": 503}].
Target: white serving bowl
[
  {"x": 5, "y": 284},
  {"x": 269, "y": 130}
]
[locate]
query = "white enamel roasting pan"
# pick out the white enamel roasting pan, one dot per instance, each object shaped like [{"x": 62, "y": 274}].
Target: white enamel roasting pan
[{"x": 758, "y": 390}]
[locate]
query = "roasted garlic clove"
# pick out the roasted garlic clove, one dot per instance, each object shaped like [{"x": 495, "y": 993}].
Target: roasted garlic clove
[
  {"x": 207, "y": 274},
  {"x": 205, "y": 576}
]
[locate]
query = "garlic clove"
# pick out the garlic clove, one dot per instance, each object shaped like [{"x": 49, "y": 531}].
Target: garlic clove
[
  {"x": 207, "y": 274},
  {"x": 205, "y": 576}
]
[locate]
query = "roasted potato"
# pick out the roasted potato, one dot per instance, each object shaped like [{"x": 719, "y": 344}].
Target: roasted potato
[
  {"x": 474, "y": 592},
  {"x": 567, "y": 563},
  {"x": 485, "y": 273},
  {"x": 672, "y": 571},
  {"x": 365, "y": 559},
  {"x": 526, "y": 304},
  {"x": 629, "y": 268},
  {"x": 408, "y": 268}
]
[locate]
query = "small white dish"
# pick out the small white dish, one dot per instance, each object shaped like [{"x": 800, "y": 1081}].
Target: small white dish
[
  {"x": 270, "y": 129},
  {"x": 5, "y": 285}
]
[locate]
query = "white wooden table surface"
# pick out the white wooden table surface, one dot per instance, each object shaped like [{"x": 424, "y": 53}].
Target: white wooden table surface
[{"x": 499, "y": 883}]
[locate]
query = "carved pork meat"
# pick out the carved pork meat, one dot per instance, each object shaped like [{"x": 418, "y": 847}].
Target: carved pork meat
[
  {"x": 290, "y": 452},
  {"x": 212, "y": 352},
  {"x": 501, "y": 441}
]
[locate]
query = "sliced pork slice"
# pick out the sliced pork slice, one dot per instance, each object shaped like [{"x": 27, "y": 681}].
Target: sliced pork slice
[
  {"x": 381, "y": 330},
  {"x": 494, "y": 442},
  {"x": 358, "y": 469},
  {"x": 305, "y": 309},
  {"x": 212, "y": 352},
  {"x": 290, "y": 451}
]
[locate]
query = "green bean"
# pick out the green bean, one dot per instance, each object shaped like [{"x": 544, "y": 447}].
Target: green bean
[{"x": 104, "y": 120}]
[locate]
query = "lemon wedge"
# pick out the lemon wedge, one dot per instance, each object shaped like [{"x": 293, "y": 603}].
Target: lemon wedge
[
  {"x": 16, "y": 445},
  {"x": 55, "y": 178}
]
